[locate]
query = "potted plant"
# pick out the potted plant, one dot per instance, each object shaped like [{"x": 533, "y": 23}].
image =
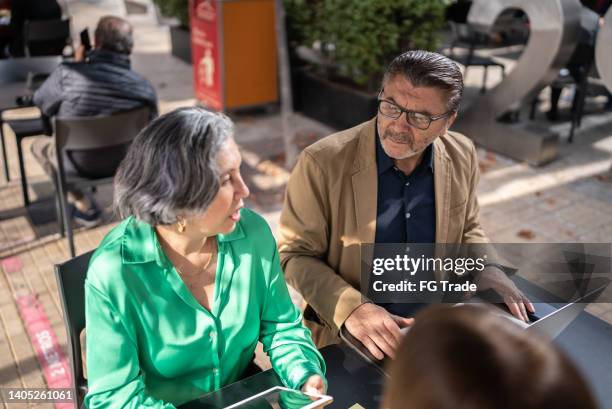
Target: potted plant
[
  {"x": 177, "y": 11},
  {"x": 347, "y": 44}
]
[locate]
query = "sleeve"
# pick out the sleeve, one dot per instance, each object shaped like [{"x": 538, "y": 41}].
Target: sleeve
[
  {"x": 152, "y": 102},
  {"x": 286, "y": 341},
  {"x": 473, "y": 231},
  {"x": 48, "y": 97},
  {"x": 304, "y": 242},
  {"x": 113, "y": 370}
]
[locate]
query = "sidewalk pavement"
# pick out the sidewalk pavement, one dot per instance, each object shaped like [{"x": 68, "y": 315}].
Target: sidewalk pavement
[{"x": 566, "y": 201}]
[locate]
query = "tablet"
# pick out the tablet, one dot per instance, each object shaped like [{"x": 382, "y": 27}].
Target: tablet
[{"x": 283, "y": 398}]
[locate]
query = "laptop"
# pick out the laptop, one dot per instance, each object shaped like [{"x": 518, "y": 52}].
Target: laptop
[
  {"x": 553, "y": 323},
  {"x": 546, "y": 321}
]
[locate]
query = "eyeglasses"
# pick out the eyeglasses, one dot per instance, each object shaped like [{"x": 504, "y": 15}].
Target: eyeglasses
[{"x": 416, "y": 119}]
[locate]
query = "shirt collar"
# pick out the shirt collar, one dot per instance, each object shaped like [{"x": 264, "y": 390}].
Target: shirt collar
[
  {"x": 140, "y": 245},
  {"x": 384, "y": 162},
  {"x": 104, "y": 56}
]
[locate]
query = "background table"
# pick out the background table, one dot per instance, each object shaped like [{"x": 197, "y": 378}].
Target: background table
[{"x": 14, "y": 74}]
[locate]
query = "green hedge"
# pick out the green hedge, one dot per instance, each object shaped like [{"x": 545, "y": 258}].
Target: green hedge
[
  {"x": 174, "y": 8},
  {"x": 360, "y": 37}
]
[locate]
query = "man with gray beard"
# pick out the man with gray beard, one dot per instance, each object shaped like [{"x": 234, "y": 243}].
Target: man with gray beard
[{"x": 401, "y": 177}]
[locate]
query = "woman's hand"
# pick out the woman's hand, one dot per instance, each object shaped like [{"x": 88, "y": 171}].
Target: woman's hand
[{"x": 314, "y": 384}]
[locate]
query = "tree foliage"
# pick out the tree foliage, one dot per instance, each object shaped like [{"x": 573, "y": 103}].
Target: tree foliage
[{"x": 178, "y": 9}]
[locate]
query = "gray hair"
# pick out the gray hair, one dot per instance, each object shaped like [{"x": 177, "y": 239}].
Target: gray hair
[
  {"x": 428, "y": 69},
  {"x": 171, "y": 166},
  {"x": 114, "y": 34}
]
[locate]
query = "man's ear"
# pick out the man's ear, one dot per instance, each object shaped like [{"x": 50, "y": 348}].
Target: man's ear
[{"x": 450, "y": 121}]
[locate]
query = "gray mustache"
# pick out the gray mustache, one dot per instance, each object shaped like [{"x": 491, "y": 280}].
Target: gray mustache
[{"x": 398, "y": 138}]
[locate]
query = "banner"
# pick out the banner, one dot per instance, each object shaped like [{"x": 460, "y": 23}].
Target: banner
[{"x": 206, "y": 54}]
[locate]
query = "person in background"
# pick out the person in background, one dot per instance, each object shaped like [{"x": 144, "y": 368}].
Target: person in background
[
  {"x": 5, "y": 33},
  {"x": 469, "y": 357},
  {"x": 178, "y": 295},
  {"x": 100, "y": 83},
  {"x": 582, "y": 59}
]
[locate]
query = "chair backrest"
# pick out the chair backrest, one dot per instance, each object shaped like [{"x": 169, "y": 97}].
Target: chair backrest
[
  {"x": 99, "y": 132},
  {"x": 46, "y": 37},
  {"x": 70, "y": 277}
]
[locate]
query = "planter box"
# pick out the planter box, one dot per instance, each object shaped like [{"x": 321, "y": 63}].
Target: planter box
[
  {"x": 336, "y": 105},
  {"x": 180, "y": 39}
]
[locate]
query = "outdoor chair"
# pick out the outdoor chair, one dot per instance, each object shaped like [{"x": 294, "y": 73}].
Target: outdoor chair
[
  {"x": 466, "y": 37},
  {"x": 91, "y": 134},
  {"x": 589, "y": 83},
  {"x": 70, "y": 277},
  {"x": 24, "y": 128},
  {"x": 46, "y": 37}
]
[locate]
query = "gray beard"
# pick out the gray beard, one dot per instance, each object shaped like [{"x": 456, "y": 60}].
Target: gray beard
[{"x": 404, "y": 140}]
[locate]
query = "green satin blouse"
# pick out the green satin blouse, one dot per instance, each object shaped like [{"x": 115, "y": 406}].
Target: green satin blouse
[{"x": 151, "y": 344}]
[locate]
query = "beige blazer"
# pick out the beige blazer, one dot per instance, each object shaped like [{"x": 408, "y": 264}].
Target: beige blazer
[{"x": 330, "y": 208}]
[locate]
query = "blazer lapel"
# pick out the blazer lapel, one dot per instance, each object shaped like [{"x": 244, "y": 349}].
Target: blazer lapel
[
  {"x": 442, "y": 188},
  {"x": 365, "y": 183}
]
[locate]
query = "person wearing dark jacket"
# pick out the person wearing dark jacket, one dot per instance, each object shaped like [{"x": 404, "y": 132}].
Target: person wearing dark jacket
[{"x": 98, "y": 84}]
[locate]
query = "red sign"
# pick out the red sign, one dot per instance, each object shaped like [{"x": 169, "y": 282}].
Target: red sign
[{"x": 206, "y": 56}]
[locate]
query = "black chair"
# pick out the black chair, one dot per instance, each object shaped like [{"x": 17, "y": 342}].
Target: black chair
[
  {"x": 581, "y": 73},
  {"x": 472, "y": 39},
  {"x": 24, "y": 128},
  {"x": 46, "y": 37},
  {"x": 70, "y": 277},
  {"x": 34, "y": 71},
  {"x": 466, "y": 37},
  {"x": 91, "y": 134},
  {"x": 588, "y": 85}
]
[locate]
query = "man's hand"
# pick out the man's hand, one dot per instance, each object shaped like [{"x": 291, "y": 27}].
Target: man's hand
[
  {"x": 376, "y": 329},
  {"x": 314, "y": 384},
  {"x": 79, "y": 53},
  {"x": 495, "y": 279}
]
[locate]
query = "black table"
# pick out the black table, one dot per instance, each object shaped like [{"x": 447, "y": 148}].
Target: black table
[
  {"x": 14, "y": 76},
  {"x": 350, "y": 379},
  {"x": 587, "y": 340},
  {"x": 17, "y": 69}
]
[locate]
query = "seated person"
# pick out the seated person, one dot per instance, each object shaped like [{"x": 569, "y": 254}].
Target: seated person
[
  {"x": 101, "y": 85},
  {"x": 581, "y": 59},
  {"x": 402, "y": 177},
  {"x": 178, "y": 295},
  {"x": 469, "y": 357}
]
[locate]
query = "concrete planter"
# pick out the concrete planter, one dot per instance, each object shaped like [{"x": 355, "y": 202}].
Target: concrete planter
[
  {"x": 336, "y": 105},
  {"x": 180, "y": 39}
]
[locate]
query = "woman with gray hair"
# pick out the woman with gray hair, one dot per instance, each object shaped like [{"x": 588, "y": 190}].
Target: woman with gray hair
[{"x": 178, "y": 294}]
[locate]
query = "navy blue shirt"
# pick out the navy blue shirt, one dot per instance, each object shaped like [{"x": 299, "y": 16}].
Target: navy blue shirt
[{"x": 406, "y": 211}]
